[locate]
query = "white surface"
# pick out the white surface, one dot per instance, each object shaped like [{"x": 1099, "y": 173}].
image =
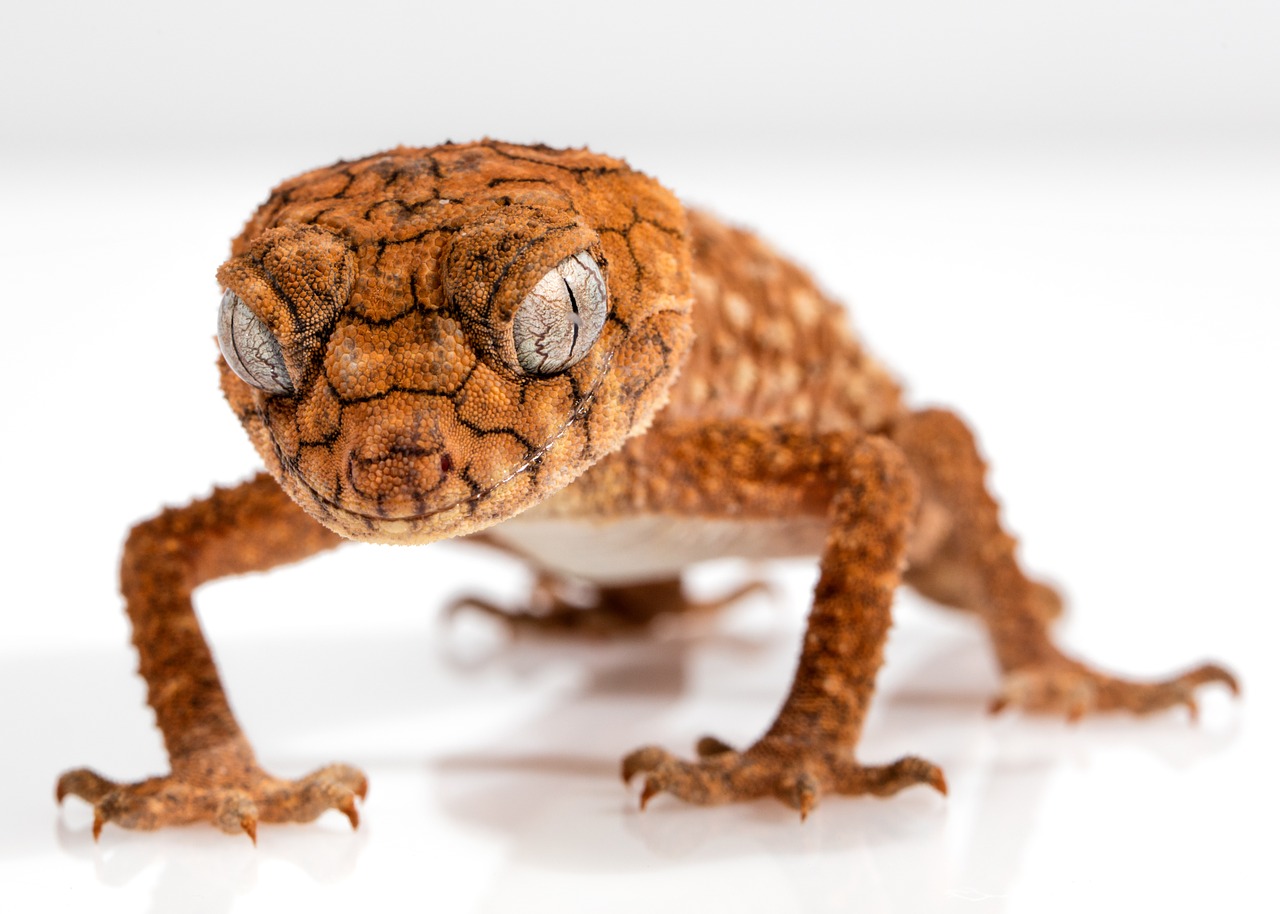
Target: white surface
[{"x": 1103, "y": 306}]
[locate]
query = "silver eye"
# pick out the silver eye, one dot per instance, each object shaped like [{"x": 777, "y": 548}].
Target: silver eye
[
  {"x": 250, "y": 349},
  {"x": 560, "y": 319}
]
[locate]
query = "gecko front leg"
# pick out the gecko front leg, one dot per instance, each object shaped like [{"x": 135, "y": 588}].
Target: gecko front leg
[
  {"x": 214, "y": 775},
  {"x": 863, "y": 487}
]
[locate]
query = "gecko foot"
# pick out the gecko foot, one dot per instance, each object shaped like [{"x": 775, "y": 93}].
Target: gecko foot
[
  {"x": 1075, "y": 690},
  {"x": 569, "y": 608},
  {"x": 795, "y": 773},
  {"x": 234, "y": 804}
]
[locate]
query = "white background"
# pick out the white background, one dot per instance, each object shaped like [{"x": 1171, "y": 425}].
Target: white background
[{"x": 1060, "y": 217}]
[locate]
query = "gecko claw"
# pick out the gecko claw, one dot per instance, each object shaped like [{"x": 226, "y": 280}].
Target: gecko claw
[
  {"x": 803, "y": 795},
  {"x": 938, "y": 781},
  {"x": 651, "y": 790},
  {"x": 250, "y": 826},
  {"x": 99, "y": 820},
  {"x": 347, "y": 806}
]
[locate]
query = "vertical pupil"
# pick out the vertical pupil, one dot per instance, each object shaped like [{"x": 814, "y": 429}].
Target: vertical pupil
[{"x": 576, "y": 320}]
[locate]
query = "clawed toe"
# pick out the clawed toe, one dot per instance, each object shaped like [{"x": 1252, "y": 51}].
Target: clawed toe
[
  {"x": 237, "y": 813},
  {"x": 84, "y": 783},
  {"x": 800, "y": 793},
  {"x": 886, "y": 780}
]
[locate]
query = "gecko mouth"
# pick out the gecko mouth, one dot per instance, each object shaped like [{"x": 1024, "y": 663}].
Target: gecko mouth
[{"x": 373, "y": 520}]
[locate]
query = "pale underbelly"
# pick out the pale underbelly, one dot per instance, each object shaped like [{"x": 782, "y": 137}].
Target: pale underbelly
[{"x": 651, "y": 547}]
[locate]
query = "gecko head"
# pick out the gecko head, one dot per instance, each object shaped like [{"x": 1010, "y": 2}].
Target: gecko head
[{"x": 428, "y": 341}]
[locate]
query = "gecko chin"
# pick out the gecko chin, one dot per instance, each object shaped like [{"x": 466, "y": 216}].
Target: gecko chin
[
  {"x": 422, "y": 524},
  {"x": 411, "y": 517}
]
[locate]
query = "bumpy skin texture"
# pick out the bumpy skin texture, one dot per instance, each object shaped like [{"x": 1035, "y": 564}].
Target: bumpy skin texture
[
  {"x": 726, "y": 406},
  {"x": 392, "y": 284}
]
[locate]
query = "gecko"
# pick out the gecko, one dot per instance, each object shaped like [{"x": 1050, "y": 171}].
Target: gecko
[{"x": 542, "y": 350}]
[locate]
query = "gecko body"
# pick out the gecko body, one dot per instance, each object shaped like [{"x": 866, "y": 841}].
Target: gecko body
[{"x": 542, "y": 350}]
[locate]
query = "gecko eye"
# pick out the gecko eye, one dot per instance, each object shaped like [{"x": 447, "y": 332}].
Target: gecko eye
[
  {"x": 250, "y": 349},
  {"x": 560, "y": 319}
]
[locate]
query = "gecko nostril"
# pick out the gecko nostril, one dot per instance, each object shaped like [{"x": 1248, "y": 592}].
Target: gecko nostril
[{"x": 446, "y": 463}]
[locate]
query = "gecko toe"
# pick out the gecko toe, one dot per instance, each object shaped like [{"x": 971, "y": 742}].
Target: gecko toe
[
  {"x": 84, "y": 783},
  {"x": 237, "y": 812},
  {"x": 801, "y": 793},
  {"x": 1208, "y": 673},
  {"x": 886, "y": 780}
]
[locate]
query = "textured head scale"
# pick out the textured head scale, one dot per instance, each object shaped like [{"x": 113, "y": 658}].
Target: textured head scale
[{"x": 387, "y": 288}]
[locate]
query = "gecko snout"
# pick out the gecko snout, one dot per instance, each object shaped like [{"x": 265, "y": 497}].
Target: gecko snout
[
  {"x": 404, "y": 473},
  {"x": 399, "y": 472},
  {"x": 409, "y": 455}
]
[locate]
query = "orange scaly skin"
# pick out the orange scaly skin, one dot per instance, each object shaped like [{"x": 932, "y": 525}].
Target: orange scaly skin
[{"x": 726, "y": 408}]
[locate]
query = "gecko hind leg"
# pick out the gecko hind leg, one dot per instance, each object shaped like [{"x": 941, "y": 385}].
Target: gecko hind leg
[
  {"x": 949, "y": 580},
  {"x": 214, "y": 775},
  {"x": 976, "y": 565},
  {"x": 559, "y": 606}
]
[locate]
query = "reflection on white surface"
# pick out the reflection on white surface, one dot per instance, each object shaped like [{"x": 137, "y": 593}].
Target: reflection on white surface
[{"x": 494, "y": 781}]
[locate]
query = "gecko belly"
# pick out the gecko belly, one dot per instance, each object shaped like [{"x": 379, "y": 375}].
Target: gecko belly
[{"x": 651, "y": 547}]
